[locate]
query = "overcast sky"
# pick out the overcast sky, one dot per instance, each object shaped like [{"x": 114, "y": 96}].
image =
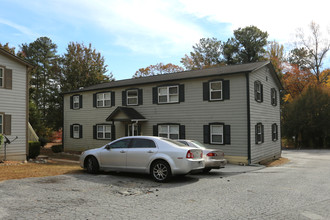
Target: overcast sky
[{"x": 133, "y": 34}]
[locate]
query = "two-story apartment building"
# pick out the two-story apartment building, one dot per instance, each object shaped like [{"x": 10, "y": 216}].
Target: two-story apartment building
[
  {"x": 233, "y": 108},
  {"x": 14, "y": 100}
]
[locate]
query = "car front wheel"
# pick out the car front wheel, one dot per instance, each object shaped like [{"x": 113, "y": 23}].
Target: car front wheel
[
  {"x": 161, "y": 171},
  {"x": 92, "y": 165}
]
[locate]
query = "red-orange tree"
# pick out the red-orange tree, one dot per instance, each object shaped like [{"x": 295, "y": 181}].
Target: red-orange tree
[{"x": 157, "y": 69}]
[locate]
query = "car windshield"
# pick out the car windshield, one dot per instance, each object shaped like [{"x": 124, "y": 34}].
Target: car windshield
[
  {"x": 174, "y": 142},
  {"x": 198, "y": 144}
]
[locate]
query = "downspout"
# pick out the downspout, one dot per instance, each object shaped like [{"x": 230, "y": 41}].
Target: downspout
[{"x": 248, "y": 116}]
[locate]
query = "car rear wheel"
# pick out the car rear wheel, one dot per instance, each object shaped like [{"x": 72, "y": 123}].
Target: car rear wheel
[
  {"x": 206, "y": 170},
  {"x": 161, "y": 171},
  {"x": 92, "y": 165}
]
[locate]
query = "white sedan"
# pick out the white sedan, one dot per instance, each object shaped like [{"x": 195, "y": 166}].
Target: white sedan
[{"x": 160, "y": 157}]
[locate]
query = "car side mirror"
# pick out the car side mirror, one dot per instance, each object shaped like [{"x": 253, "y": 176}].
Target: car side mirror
[{"x": 108, "y": 147}]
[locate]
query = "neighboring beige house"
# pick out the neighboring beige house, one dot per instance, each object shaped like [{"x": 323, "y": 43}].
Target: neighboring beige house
[
  {"x": 14, "y": 104},
  {"x": 233, "y": 108}
]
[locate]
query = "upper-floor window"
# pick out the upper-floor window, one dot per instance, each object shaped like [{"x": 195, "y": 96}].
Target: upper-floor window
[
  {"x": 274, "y": 132},
  {"x": 132, "y": 97},
  {"x": 216, "y": 90},
  {"x": 75, "y": 101},
  {"x": 1, "y": 123},
  {"x": 258, "y": 91},
  {"x": 168, "y": 94},
  {"x": 273, "y": 96},
  {"x": 2, "y": 74},
  {"x": 169, "y": 131},
  {"x": 103, "y": 99},
  {"x": 259, "y": 133}
]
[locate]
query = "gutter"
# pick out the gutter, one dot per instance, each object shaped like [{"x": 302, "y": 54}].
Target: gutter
[{"x": 248, "y": 116}]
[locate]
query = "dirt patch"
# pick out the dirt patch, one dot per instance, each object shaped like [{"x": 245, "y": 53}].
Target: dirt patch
[
  {"x": 20, "y": 170},
  {"x": 62, "y": 155},
  {"x": 274, "y": 163}
]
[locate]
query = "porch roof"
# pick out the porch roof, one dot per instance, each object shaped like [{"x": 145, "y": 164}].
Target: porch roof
[{"x": 130, "y": 113}]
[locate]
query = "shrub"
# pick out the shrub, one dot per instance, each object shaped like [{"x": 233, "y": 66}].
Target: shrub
[
  {"x": 57, "y": 148},
  {"x": 34, "y": 149}
]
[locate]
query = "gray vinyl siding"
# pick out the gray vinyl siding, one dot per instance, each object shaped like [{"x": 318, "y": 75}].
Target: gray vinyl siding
[
  {"x": 264, "y": 113},
  {"x": 13, "y": 102},
  {"x": 193, "y": 113}
]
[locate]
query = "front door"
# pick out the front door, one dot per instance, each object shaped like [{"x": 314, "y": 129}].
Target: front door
[{"x": 133, "y": 129}]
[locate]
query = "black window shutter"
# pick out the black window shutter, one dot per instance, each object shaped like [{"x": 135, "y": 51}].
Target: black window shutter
[
  {"x": 275, "y": 97},
  {"x": 256, "y": 133},
  {"x": 123, "y": 98},
  {"x": 154, "y": 95},
  {"x": 139, "y": 129},
  {"x": 8, "y": 79},
  {"x": 255, "y": 91},
  {"x": 227, "y": 134},
  {"x": 181, "y": 93},
  {"x": 262, "y": 92},
  {"x": 226, "y": 89},
  {"x": 113, "y": 132},
  {"x": 94, "y": 100},
  {"x": 206, "y": 131},
  {"x": 206, "y": 91},
  {"x": 71, "y": 102},
  {"x": 71, "y": 131},
  {"x": 155, "y": 130},
  {"x": 80, "y": 131},
  {"x": 94, "y": 132},
  {"x": 80, "y": 101},
  {"x": 113, "y": 99},
  {"x": 182, "y": 132},
  {"x": 276, "y": 131},
  {"x": 140, "y": 96},
  {"x": 7, "y": 124},
  {"x": 262, "y": 134}
]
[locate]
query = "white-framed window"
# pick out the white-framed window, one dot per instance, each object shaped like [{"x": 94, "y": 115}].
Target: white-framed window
[
  {"x": 1, "y": 123},
  {"x": 75, "y": 102},
  {"x": 216, "y": 90},
  {"x": 103, "y": 131},
  {"x": 169, "y": 131},
  {"x": 168, "y": 94},
  {"x": 103, "y": 99},
  {"x": 274, "y": 132},
  {"x": 132, "y": 97},
  {"x": 2, "y": 76},
  {"x": 273, "y": 97},
  {"x": 258, "y": 91},
  {"x": 216, "y": 134},
  {"x": 76, "y": 131},
  {"x": 259, "y": 133}
]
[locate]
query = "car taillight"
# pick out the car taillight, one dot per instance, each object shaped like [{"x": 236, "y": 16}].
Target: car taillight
[
  {"x": 189, "y": 154},
  {"x": 211, "y": 154}
]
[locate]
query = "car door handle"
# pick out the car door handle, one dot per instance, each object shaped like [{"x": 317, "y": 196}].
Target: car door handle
[
  {"x": 122, "y": 151},
  {"x": 150, "y": 151}
]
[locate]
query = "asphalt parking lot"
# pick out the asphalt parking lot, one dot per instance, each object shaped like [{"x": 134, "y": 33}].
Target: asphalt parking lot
[{"x": 297, "y": 190}]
